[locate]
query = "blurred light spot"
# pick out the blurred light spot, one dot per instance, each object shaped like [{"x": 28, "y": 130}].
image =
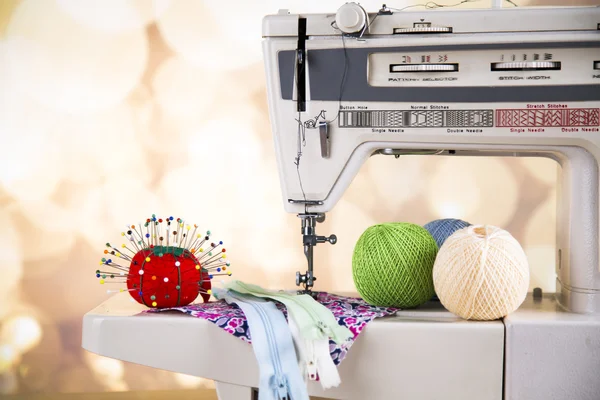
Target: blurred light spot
[
  {"x": 453, "y": 190},
  {"x": 114, "y": 16},
  {"x": 34, "y": 377},
  {"x": 141, "y": 101},
  {"x": 244, "y": 85},
  {"x": 450, "y": 210},
  {"x": 205, "y": 38},
  {"x": 483, "y": 190},
  {"x": 107, "y": 370},
  {"x": 47, "y": 216},
  {"x": 199, "y": 198},
  {"x": 31, "y": 169},
  {"x": 11, "y": 260},
  {"x": 192, "y": 382},
  {"x": 117, "y": 386},
  {"x": 106, "y": 208},
  {"x": 183, "y": 90},
  {"x": 155, "y": 133},
  {"x": 245, "y": 24},
  {"x": 52, "y": 229},
  {"x": 37, "y": 367},
  {"x": 69, "y": 67},
  {"x": 74, "y": 379},
  {"x": 98, "y": 146},
  {"x": 8, "y": 357},
  {"x": 229, "y": 147},
  {"x": 23, "y": 332},
  {"x": 224, "y": 166},
  {"x": 6, "y": 9},
  {"x": 106, "y": 367},
  {"x": 9, "y": 384},
  {"x": 8, "y": 300}
]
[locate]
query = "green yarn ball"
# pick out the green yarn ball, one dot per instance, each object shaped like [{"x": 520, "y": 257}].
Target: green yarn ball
[{"x": 392, "y": 265}]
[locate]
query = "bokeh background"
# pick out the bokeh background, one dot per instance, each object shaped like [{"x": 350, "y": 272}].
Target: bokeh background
[{"x": 113, "y": 110}]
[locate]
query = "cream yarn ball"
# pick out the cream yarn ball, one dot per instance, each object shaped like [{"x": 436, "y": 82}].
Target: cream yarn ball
[{"x": 481, "y": 273}]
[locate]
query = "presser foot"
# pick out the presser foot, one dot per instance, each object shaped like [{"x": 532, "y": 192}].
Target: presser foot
[
  {"x": 309, "y": 240},
  {"x": 301, "y": 279}
]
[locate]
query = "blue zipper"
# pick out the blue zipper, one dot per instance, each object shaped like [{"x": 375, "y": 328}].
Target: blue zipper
[
  {"x": 281, "y": 387},
  {"x": 277, "y": 386}
]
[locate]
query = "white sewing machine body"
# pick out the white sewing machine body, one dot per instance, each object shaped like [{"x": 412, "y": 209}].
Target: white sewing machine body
[
  {"x": 424, "y": 82},
  {"x": 512, "y": 82},
  {"x": 515, "y": 82}
]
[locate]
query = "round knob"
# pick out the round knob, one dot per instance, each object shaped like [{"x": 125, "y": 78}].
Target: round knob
[
  {"x": 332, "y": 239},
  {"x": 351, "y": 18}
]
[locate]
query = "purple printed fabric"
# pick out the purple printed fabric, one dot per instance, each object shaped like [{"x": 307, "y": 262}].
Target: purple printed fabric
[{"x": 350, "y": 312}]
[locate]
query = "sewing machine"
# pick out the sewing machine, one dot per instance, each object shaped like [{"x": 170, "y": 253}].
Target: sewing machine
[{"x": 345, "y": 86}]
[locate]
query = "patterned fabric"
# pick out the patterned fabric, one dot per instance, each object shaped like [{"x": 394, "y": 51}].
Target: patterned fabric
[{"x": 350, "y": 312}]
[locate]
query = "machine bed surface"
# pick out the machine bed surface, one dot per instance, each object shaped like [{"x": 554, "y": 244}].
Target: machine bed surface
[{"x": 393, "y": 356}]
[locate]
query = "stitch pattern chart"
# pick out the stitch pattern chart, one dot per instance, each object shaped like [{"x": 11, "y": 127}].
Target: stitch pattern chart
[
  {"x": 416, "y": 119},
  {"x": 524, "y": 118}
]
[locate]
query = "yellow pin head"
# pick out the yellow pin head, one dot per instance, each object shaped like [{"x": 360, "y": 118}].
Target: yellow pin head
[
  {"x": 197, "y": 267},
  {"x": 147, "y": 259},
  {"x": 153, "y": 304}
]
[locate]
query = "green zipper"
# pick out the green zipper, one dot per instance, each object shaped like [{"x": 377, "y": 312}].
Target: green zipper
[{"x": 314, "y": 320}]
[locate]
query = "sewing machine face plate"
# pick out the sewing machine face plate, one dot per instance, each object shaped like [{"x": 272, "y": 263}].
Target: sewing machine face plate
[{"x": 432, "y": 92}]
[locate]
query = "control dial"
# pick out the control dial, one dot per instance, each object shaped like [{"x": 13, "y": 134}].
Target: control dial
[
  {"x": 423, "y": 67},
  {"x": 423, "y": 27},
  {"x": 351, "y": 18},
  {"x": 526, "y": 66}
]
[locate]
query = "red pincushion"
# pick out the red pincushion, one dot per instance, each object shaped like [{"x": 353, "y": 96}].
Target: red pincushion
[{"x": 146, "y": 279}]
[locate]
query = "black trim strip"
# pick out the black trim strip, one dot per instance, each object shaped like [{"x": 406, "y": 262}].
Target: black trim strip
[{"x": 300, "y": 65}]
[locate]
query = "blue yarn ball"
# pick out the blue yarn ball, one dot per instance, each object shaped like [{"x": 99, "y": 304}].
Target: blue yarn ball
[{"x": 442, "y": 229}]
